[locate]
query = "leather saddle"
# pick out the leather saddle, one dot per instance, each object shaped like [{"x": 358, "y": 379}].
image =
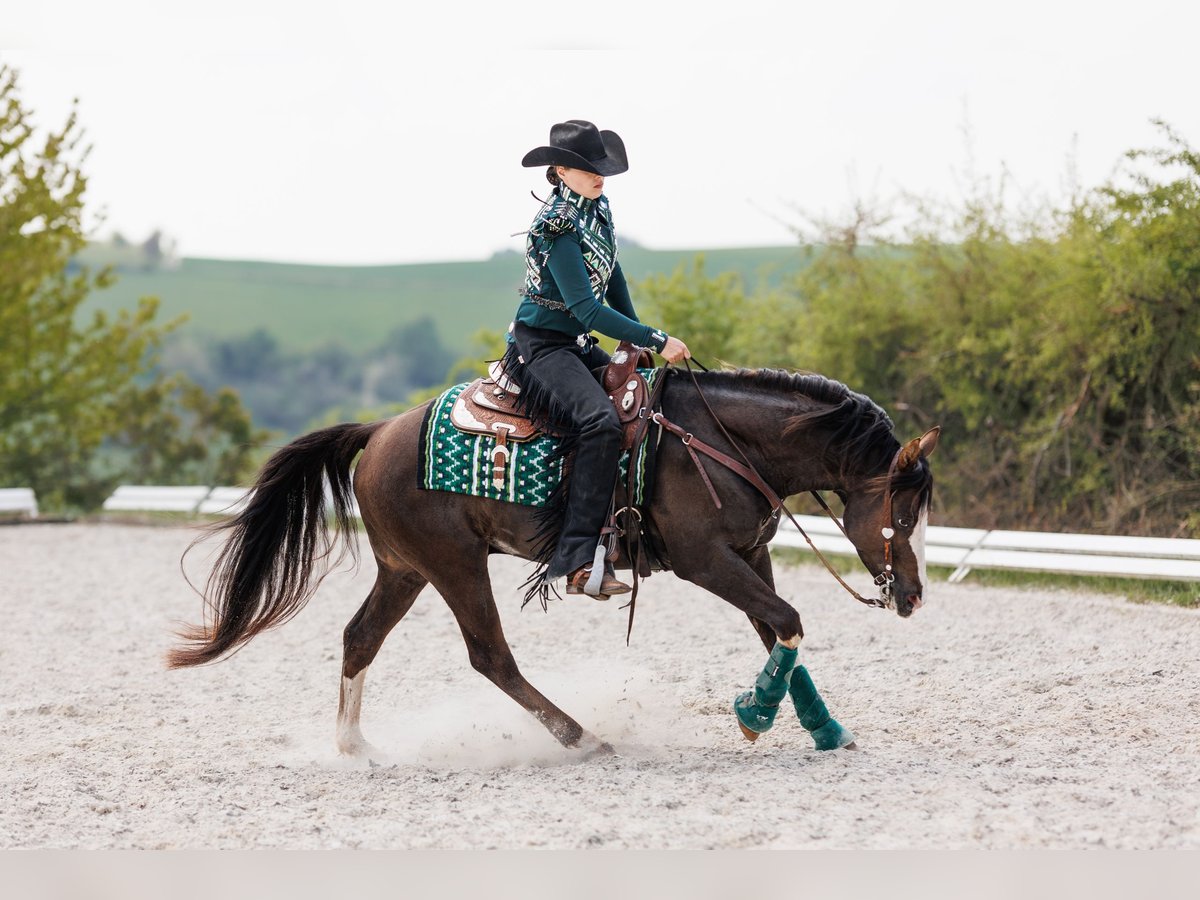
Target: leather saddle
[{"x": 489, "y": 405}]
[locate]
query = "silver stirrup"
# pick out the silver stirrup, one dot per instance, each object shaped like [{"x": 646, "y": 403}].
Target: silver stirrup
[{"x": 592, "y": 587}]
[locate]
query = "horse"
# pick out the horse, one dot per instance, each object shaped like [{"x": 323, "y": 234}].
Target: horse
[{"x": 799, "y": 431}]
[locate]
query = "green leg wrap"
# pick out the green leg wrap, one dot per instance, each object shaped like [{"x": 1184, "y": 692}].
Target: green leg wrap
[
  {"x": 756, "y": 709},
  {"x": 826, "y": 732}
]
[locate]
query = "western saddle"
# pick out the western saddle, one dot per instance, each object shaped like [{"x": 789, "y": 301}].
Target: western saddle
[{"x": 489, "y": 405}]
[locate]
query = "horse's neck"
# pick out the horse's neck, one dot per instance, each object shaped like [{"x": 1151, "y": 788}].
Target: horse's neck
[{"x": 790, "y": 464}]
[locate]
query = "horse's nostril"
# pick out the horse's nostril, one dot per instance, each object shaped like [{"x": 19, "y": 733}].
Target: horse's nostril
[{"x": 916, "y": 601}]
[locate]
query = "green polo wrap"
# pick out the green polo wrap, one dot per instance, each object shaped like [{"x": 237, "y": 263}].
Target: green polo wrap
[
  {"x": 756, "y": 709},
  {"x": 826, "y": 732}
]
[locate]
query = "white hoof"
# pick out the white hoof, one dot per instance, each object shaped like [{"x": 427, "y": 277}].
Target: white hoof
[
  {"x": 591, "y": 747},
  {"x": 350, "y": 742}
]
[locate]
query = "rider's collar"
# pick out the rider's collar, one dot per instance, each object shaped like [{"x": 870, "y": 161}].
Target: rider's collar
[{"x": 578, "y": 199}]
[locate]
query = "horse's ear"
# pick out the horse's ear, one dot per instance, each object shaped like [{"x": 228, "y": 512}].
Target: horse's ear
[
  {"x": 909, "y": 454},
  {"x": 918, "y": 449},
  {"x": 929, "y": 441}
]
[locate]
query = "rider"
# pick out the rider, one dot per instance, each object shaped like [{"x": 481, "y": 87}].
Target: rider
[{"x": 571, "y": 269}]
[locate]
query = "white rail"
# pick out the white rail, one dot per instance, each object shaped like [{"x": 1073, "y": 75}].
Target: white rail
[
  {"x": 187, "y": 499},
  {"x": 18, "y": 500},
  {"x": 961, "y": 549},
  {"x": 156, "y": 498},
  {"x": 964, "y": 549}
]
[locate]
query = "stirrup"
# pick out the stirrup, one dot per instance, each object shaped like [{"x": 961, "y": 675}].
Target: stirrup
[{"x": 609, "y": 584}]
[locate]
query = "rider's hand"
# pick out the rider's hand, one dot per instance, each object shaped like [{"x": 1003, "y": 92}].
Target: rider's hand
[{"x": 675, "y": 350}]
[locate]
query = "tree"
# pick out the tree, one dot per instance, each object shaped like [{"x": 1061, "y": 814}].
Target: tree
[
  {"x": 68, "y": 388},
  {"x": 720, "y": 322},
  {"x": 1058, "y": 346},
  {"x": 176, "y": 432}
]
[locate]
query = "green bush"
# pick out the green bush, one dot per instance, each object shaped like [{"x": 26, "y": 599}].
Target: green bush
[
  {"x": 81, "y": 407},
  {"x": 1060, "y": 350}
]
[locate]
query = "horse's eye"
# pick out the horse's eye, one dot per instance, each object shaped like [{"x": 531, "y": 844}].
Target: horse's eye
[{"x": 904, "y": 523}]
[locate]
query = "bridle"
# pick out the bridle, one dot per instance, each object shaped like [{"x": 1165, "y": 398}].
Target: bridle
[{"x": 885, "y": 580}]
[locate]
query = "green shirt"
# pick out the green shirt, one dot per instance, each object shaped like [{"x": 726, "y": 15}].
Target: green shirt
[{"x": 571, "y": 269}]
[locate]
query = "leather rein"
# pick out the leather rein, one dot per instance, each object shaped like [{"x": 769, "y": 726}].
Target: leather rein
[{"x": 885, "y": 580}]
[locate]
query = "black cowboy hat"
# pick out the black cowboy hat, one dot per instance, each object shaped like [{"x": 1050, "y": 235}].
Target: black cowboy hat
[{"x": 581, "y": 145}]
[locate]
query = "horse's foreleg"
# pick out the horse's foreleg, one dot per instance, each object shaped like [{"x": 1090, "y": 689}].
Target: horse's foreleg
[
  {"x": 759, "y": 560},
  {"x": 810, "y": 708},
  {"x": 391, "y": 597},
  {"x": 723, "y": 572},
  {"x": 467, "y": 590},
  {"x": 756, "y": 708},
  {"x": 748, "y": 583},
  {"x": 827, "y": 733}
]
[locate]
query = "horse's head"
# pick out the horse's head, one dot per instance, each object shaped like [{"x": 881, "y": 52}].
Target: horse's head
[{"x": 885, "y": 518}]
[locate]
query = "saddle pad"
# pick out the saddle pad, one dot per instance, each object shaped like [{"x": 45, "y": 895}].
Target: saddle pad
[{"x": 461, "y": 463}]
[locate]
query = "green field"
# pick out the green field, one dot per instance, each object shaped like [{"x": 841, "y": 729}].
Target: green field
[{"x": 305, "y": 306}]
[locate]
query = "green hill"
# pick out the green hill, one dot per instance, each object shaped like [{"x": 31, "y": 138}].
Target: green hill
[
  {"x": 304, "y": 306},
  {"x": 303, "y": 345}
]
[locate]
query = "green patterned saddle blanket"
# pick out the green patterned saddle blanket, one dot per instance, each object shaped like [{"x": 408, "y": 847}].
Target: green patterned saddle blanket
[{"x": 461, "y": 463}]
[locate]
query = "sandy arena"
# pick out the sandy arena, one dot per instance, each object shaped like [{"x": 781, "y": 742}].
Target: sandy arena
[{"x": 991, "y": 719}]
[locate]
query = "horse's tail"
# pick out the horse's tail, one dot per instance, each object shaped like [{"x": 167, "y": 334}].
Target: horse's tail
[{"x": 264, "y": 574}]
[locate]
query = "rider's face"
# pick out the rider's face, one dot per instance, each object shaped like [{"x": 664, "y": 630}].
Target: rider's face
[{"x": 588, "y": 184}]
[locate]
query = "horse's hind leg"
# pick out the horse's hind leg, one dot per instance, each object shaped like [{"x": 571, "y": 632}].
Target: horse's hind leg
[
  {"x": 467, "y": 590},
  {"x": 391, "y": 597}
]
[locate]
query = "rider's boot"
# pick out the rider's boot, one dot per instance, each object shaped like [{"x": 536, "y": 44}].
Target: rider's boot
[{"x": 609, "y": 584}]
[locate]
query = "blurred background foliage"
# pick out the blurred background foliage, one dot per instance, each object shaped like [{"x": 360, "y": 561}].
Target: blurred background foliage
[
  {"x": 1058, "y": 345},
  {"x": 83, "y": 404},
  {"x": 1059, "y": 348}
]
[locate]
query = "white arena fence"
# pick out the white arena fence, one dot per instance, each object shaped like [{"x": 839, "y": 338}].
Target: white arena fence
[
  {"x": 19, "y": 501},
  {"x": 961, "y": 549},
  {"x": 157, "y": 498},
  {"x": 192, "y": 499},
  {"x": 964, "y": 549}
]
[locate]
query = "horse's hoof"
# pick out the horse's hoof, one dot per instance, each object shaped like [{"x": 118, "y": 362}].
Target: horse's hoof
[
  {"x": 591, "y": 747},
  {"x": 832, "y": 736},
  {"x": 351, "y": 743},
  {"x": 749, "y": 735},
  {"x": 368, "y": 753},
  {"x": 599, "y": 752},
  {"x": 851, "y": 746}
]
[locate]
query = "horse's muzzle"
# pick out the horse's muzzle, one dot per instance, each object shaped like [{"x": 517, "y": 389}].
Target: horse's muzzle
[{"x": 907, "y": 604}]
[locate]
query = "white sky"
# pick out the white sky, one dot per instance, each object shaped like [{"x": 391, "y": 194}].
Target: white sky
[{"x": 355, "y": 131}]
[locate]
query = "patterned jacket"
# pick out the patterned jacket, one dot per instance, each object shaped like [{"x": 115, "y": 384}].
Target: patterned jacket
[{"x": 571, "y": 269}]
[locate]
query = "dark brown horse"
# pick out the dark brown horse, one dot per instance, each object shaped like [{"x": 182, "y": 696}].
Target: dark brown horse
[{"x": 801, "y": 432}]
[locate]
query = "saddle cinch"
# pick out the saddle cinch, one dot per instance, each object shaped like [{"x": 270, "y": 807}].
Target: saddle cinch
[{"x": 489, "y": 406}]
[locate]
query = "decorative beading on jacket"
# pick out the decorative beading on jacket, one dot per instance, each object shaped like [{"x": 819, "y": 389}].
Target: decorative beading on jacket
[{"x": 591, "y": 220}]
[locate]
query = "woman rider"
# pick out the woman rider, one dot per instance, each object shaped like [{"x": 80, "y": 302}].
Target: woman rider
[{"x": 570, "y": 271}]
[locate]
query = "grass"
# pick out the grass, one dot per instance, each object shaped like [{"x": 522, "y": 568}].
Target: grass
[
  {"x": 305, "y": 306},
  {"x": 1137, "y": 590}
]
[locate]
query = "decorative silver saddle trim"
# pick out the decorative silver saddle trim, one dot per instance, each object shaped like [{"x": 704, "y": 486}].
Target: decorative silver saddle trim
[
  {"x": 461, "y": 416},
  {"x": 482, "y": 398}
]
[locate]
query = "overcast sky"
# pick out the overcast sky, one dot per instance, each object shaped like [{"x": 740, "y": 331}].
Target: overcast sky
[{"x": 352, "y": 131}]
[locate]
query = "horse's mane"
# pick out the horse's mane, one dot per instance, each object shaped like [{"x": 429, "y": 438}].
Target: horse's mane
[{"x": 858, "y": 432}]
